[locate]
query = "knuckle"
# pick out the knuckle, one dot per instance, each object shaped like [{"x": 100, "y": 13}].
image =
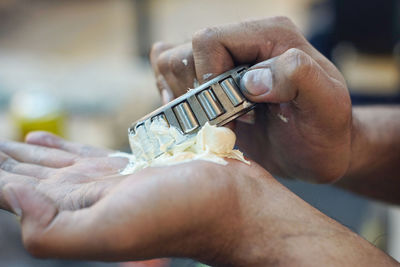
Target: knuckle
[
  {"x": 283, "y": 20},
  {"x": 289, "y": 31},
  {"x": 294, "y": 52},
  {"x": 254, "y": 27},
  {"x": 157, "y": 48},
  {"x": 163, "y": 62},
  {"x": 170, "y": 62},
  {"x": 176, "y": 65},
  {"x": 299, "y": 61},
  {"x": 247, "y": 24},
  {"x": 205, "y": 36},
  {"x": 6, "y": 163}
]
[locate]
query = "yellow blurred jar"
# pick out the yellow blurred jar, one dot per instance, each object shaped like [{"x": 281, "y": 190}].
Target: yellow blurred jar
[{"x": 37, "y": 111}]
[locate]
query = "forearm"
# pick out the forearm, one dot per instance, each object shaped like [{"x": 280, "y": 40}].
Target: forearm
[
  {"x": 286, "y": 231},
  {"x": 374, "y": 169}
]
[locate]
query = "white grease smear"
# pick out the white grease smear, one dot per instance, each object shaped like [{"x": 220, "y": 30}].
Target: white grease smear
[
  {"x": 211, "y": 144},
  {"x": 128, "y": 156},
  {"x": 206, "y": 76},
  {"x": 185, "y": 62},
  {"x": 282, "y": 117}
]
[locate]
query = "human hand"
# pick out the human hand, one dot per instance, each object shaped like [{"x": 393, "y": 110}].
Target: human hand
[
  {"x": 74, "y": 176},
  {"x": 234, "y": 215},
  {"x": 72, "y": 202},
  {"x": 303, "y": 128}
]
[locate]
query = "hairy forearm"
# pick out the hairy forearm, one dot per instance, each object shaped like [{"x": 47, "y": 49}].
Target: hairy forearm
[
  {"x": 307, "y": 243},
  {"x": 284, "y": 230},
  {"x": 375, "y": 162}
]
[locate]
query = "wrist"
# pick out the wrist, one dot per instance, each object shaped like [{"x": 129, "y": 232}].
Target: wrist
[
  {"x": 280, "y": 228},
  {"x": 356, "y": 146},
  {"x": 368, "y": 142},
  {"x": 375, "y": 147},
  {"x": 287, "y": 231},
  {"x": 268, "y": 220}
]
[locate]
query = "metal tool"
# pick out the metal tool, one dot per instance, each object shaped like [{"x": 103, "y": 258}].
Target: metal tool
[{"x": 217, "y": 102}]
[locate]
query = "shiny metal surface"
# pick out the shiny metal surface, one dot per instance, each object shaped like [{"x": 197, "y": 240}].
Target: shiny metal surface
[
  {"x": 161, "y": 117},
  {"x": 232, "y": 91},
  {"x": 210, "y": 104},
  {"x": 186, "y": 118},
  {"x": 217, "y": 102}
]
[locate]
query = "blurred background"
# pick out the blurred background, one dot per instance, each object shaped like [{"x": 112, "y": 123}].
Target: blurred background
[{"x": 79, "y": 68}]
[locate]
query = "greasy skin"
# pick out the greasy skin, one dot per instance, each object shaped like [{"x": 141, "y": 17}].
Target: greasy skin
[
  {"x": 75, "y": 176},
  {"x": 308, "y": 90},
  {"x": 233, "y": 215},
  {"x": 305, "y": 127},
  {"x": 74, "y": 204}
]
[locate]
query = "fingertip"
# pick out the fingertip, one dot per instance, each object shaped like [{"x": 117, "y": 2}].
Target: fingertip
[
  {"x": 166, "y": 95},
  {"x": 34, "y": 136},
  {"x": 160, "y": 46},
  {"x": 157, "y": 48},
  {"x": 157, "y": 45},
  {"x": 42, "y": 138},
  {"x": 31, "y": 136}
]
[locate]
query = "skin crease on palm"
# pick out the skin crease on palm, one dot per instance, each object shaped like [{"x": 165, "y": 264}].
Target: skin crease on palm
[
  {"x": 77, "y": 170},
  {"x": 73, "y": 203},
  {"x": 77, "y": 207}
]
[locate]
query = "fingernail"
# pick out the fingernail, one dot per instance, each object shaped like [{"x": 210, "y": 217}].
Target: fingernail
[
  {"x": 257, "y": 82},
  {"x": 166, "y": 96},
  {"x": 12, "y": 199}
]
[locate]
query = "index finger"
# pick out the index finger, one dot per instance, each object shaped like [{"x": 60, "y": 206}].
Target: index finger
[
  {"x": 219, "y": 49},
  {"x": 38, "y": 155},
  {"x": 52, "y": 141},
  {"x": 156, "y": 50}
]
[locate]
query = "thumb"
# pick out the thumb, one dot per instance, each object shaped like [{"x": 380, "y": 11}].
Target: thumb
[
  {"x": 293, "y": 76},
  {"x": 29, "y": 204},
  {"x": 46, "y": 232},
  {"x": 35, "y": 210}
]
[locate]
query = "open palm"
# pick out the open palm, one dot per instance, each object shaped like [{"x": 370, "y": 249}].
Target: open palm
[
  {"x": 74, "y": 203},
  {"x": 72, "y": 175}
]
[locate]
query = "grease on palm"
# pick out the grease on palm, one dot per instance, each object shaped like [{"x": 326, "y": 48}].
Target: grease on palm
[{"x": 158, "y": 144}]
